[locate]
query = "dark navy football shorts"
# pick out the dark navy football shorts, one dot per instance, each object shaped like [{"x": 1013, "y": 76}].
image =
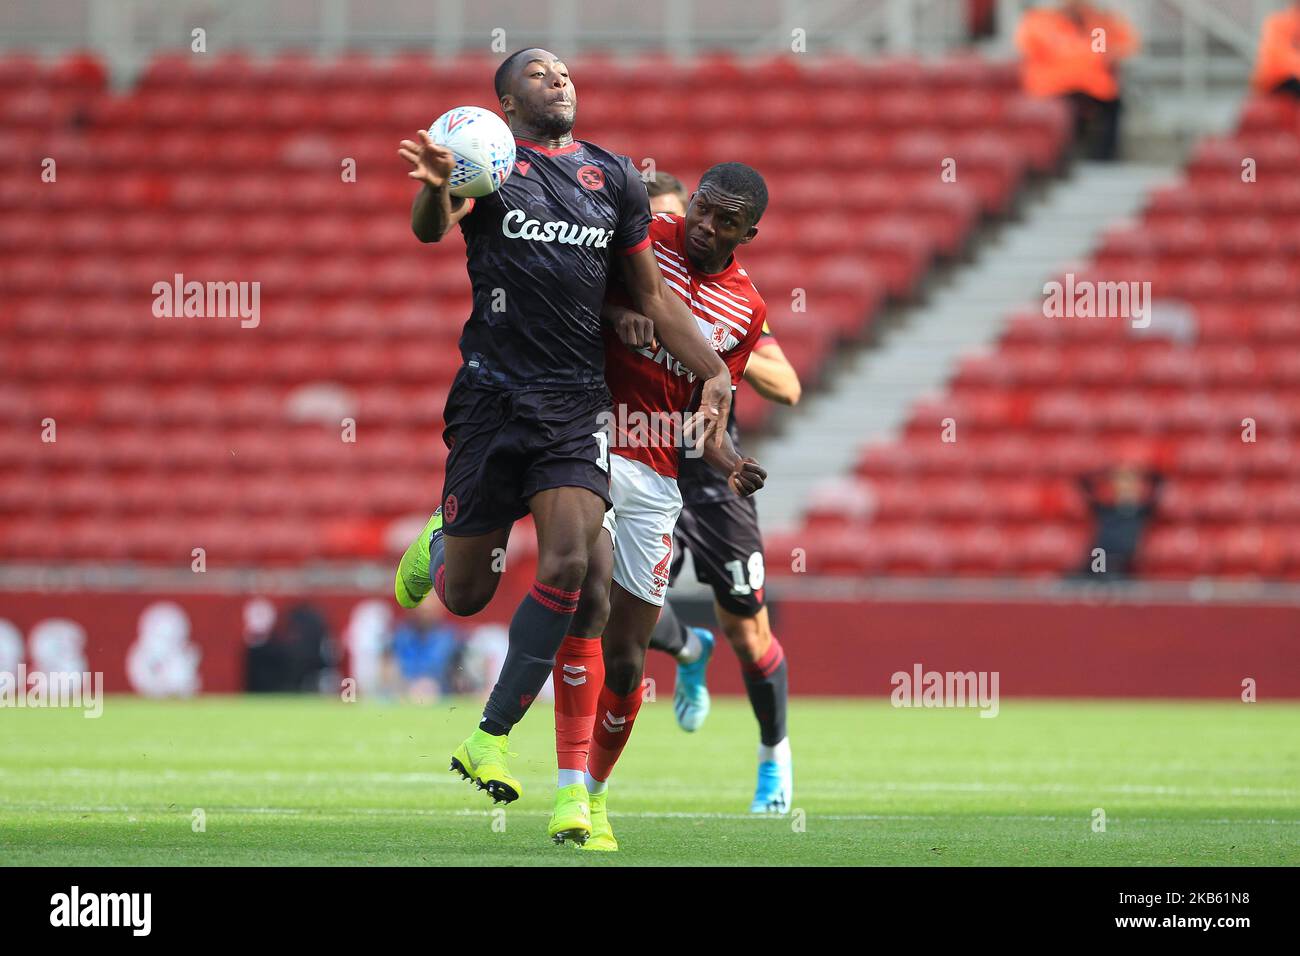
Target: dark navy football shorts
[
  {"x": 506, "y": 446},
  {"x": 727, "y": 551}
]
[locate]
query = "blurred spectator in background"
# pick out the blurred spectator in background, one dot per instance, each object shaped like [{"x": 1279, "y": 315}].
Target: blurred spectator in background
[
  {"x": 1122, "y": 500},
  {"x": 482, "y": 660},
  {"x": 313, "y": 656},
  {"x": 289, "y": 653},
  {"x": 366, "y": 638},
  {"x": 1277, "y": 67},
  {"x": 1073, "y": 51},
  {"x": 424, "y": 652}
]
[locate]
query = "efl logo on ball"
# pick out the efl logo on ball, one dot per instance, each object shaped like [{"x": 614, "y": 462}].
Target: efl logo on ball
[{"x": 483, "y": 145}]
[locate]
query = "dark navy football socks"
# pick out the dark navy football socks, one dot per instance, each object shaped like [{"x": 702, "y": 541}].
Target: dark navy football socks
[
  {"x": 437, "y": 565},
  {"x": 768, "y": 686},
  {"x": 536, "y": 632},
  {"x": 670, "y": 634}
]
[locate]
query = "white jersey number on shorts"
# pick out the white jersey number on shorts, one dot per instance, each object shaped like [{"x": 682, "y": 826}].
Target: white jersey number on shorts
[{"x": 757, "y": 574}]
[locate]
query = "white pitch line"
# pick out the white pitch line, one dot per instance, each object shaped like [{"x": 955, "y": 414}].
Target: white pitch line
[
  {"x": 352, "y": 778},
  {"x": 446, "y": 778},
  {"x": 633, "y": 814}
]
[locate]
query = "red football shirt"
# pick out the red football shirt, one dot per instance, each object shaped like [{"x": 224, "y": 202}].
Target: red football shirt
[{"x": 652, "y": 391}]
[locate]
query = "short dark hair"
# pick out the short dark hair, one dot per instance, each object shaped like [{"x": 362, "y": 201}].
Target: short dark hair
[
  {"x": 739, "y": 180},
  {"x": 501, "y": 81},
  {"x": 664, "y": 184}
]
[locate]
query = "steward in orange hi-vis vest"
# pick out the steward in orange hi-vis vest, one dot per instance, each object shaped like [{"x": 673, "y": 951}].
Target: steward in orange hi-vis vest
[
  {"x": 1064, "y": 54},
  {"x": 1279, "y": 51}
]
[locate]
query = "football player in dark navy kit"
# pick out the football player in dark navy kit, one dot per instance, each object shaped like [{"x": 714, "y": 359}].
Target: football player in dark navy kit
[{"x": 525, "y": 413}]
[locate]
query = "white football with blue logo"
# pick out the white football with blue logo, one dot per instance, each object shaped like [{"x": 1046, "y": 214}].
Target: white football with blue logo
[{"x": 484, "y": 149}]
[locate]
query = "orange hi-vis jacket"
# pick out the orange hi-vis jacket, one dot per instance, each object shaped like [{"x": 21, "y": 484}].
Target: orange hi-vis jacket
[
  {"x": 1279, "y": 50},
  {"x": 1059, "y": 57}
]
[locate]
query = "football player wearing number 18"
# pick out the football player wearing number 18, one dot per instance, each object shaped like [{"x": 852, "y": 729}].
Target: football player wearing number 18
[
  {"x": 600, "y": 664},
  {"x": 523, "y": 417}
]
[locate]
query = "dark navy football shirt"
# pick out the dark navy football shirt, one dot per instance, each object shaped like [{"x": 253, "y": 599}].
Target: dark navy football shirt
[{"x": 539, "y": 251}]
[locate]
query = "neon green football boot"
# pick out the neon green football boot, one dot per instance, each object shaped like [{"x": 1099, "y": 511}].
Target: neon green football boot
[
  {"x": 602, "y": 835},
  {"x": 482, "y": 759},
  {"x": 571, "y": 819},
  {"x": 413, "y": 584}
]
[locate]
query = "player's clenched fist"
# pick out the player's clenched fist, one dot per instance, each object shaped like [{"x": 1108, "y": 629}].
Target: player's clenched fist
[
  {"x": 433, "y": 164},
  {"x": 747, "y": 477},
  {"x": 634, "y": 330}
]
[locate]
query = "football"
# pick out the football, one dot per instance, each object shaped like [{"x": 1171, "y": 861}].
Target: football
[{"x": 484, "y": 148}]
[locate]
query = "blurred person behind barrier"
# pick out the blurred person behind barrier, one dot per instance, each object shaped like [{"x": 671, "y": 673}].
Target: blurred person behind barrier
[{"x": 1122, "y": 512}]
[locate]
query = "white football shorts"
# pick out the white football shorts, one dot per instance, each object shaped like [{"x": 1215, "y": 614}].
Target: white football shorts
[{"x": 646, "y": 506}]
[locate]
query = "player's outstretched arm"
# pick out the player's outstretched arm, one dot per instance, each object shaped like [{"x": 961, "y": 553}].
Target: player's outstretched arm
[
  {"x": 676, "y": 330},
  {"x": 772, "y": 375},
  {"x": 435, "y": 209}
]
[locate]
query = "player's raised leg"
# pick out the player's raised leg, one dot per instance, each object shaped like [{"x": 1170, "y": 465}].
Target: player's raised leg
[
  {"x": 465, "y": 589},
  {"x": 578, "y": 677},
  {"x": 456, "y": 554},
  {"x": 763, "y": 667}
]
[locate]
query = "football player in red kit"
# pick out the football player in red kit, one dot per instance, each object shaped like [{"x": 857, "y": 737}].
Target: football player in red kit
[{"x": 599, "y": 667}]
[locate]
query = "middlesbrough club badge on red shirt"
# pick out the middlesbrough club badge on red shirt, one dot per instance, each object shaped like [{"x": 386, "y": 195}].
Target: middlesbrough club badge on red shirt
[{"x": 722, "y": 339}]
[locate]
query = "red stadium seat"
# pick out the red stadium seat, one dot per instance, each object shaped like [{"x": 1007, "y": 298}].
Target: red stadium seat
[{"x": 1060, "y": 399}]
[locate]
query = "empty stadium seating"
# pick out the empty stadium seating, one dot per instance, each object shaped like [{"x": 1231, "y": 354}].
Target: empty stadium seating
[
  {"x": 175, "y": 433},
  {"x": 1061, "y": 396}
]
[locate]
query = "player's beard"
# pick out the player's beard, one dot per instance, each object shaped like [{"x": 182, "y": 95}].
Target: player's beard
[{"x": 555, "y": 125}]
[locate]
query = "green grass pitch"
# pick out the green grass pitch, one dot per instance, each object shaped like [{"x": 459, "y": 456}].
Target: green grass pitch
[{"x": 305, "y": 781}]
